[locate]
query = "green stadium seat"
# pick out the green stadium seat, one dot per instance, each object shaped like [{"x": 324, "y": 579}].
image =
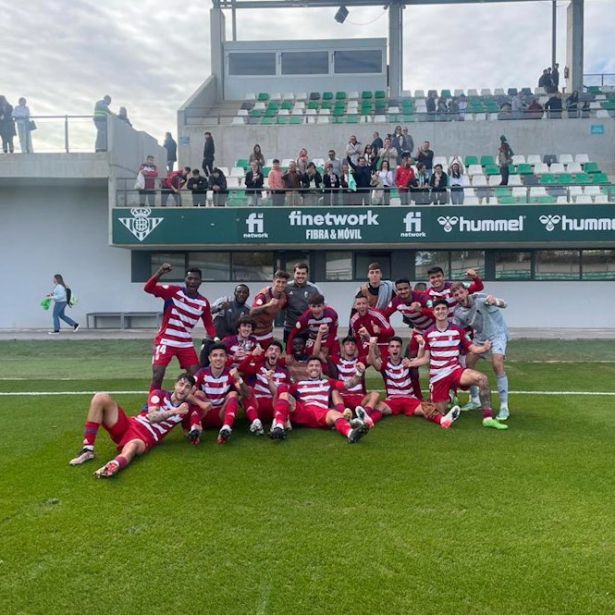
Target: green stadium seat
[
  {"x": 352, "y": 119},
  {"x": 394, "y": 118},
  {"x": 337, "y": 119},
  {"x": 271, "y": 112},
  {"x": 287, "y": 104},
  {"x": 366, "y": 95},
  {"x": 446, "y": 94},
  {"x": 327, "y": 95},
  {"x": 242, "y": 162},
  {"x": 326, "y": 104},
  {"x": 256, "y": 112},
  {"x": 581, "y": 178},
  {"x": 267, "y": 120},
  {"x": 502, "y": 191},
  {"x": 484, "y": 160},
  {"x": 507, "y": 200},
  {"x": 266, "y": 170},
  {"x": 262, "y": 97},
  {"x": 600, "y": 178},
  {"x": 491, "y": 169},
  {"x": 594, "y": 89},
  {"x": 546, "y": 200},
  {"x": 340, "y": 96},
  {"x": 313, "y": 104},
  {"x": 470, "y": 160},
  {"x": 408, "y": 117},
  {"x": 283, "y": 119},
  {"x": 548, "y": 179},
  {"x": 273, "y": 104},
  {"x": 339, "y": 111},
  {"x": 380, "y": 94},
  {"x": 591, "y": 167},
  {"x": 296, "y": 119},
  {"x": 565, "y": 179},
  {"x": 525, "y": 169}
]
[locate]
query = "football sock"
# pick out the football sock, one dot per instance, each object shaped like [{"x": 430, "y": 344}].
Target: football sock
[
  {"x": 487, "y": 413},
  {"x": 340, "y": 408},
  {"x": 375, "y": 415},
  {"x": 474, "y": 394},
  {"x": 280, "y": 412},
  {"x": 342, "y": 426},
  {"x": 230, "y": 410},
  {"x": 251, "y": 413},
  {"x": 435, "y": 418},
  {"x": 89, "y": 434},
  {"x": 502, "y": 382},
  {"x": 121, "y": 461}
]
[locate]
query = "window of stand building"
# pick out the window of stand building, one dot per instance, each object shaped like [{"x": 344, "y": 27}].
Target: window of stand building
[
  {"x": 598, "y": 264},
  {"x": 358, "y": 61},
  {"x": 426, "y": 259},
  {"x": 215, "y": 266},
  {"x": 177, "y": 260},
  {"x": 248, "y": 266},
  {"x": 286, "y": 261},
  {"x": 511, "y": 265},
  {"x": 558, "y": 265},
  {"x": 463, "y": 260},
  {"x": 305, "y": 63},
  {"x": 251, "y": 64},
  {"x": 338, "y": 266}
]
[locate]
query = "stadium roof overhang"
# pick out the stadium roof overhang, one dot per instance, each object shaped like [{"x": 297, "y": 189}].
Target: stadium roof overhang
[{"x": 295, "y": 4}]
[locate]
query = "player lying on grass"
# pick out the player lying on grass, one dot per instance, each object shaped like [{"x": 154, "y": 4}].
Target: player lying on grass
[
  {"x": 401, "y": 398},
  {"x": 307, "y": 403},
  {"x": 440, "y": 349},
  {"x": 482, "y": 313},
  {"x": 134, "y": 435}
]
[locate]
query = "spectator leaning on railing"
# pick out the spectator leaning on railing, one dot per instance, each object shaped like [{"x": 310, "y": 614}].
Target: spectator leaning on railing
[
  {"x": 146, "y": 181},
  {"x": 21, "y": 115}
]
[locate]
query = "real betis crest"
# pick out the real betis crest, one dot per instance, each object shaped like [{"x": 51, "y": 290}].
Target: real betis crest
[{"x": 141, "y": 225}]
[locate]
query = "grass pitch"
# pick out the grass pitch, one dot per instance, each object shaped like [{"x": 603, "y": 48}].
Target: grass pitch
[{"x": 412, "y": 520}]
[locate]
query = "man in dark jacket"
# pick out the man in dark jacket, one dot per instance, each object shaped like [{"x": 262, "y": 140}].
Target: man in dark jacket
[
  {"x": 209, "y": 150},
  {"x": 362, "y": 173}
]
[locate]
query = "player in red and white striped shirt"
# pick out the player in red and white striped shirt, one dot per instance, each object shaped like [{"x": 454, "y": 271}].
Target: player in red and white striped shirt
[
  {"x": 183, "y": 308},
  {"x": 442, "y": 346},
  {"x": 441, "y": 289},
  {"x": 312, "y": 321},
  {"x": 307, "y": 403},
  {"x": 366, "y": 323},
  {"x": 242, "y": 344},
  {"x": 134, "y": 435},
  {"x": 264, "y": 372},
  {"x": 216, "y": 400},
  {"x": 401, "y": 398}
]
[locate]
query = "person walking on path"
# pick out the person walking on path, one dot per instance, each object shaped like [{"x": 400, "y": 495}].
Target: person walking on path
[{"x": 60, "y": 296}]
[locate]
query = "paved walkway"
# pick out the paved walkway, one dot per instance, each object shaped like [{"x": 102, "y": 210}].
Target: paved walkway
[{"x": 117, "y": 334}]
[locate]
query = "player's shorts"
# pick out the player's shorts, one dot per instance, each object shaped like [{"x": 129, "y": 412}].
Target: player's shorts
[
  {"x": 213, "y": 418},
  {"x": 264, "y": 408},
  {"x": 440, "y": 389},
  {"x": 163, "y": 355},
  {"x": 264, "y": 339},
  {"x": 498, "y": 344},
  {"x": 352, "y": 400},
  {"x": 310, "y": 415},
  {"x": 402, "y": 404},
  {"x": 126, "y": 429}
]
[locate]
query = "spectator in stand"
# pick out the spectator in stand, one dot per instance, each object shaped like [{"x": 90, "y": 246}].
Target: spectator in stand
[
  {"x": 172, "y": 185},
  {"x": 332, "y": 185},
  {"x": 572, "y": 104},
  {"x": 7, "y": 125},
  {"x": 257, "y": 156},
  {"x": 303, "y": 161},
  {"x": 389, "y": 153},
  {"x": 534, "y": 110},
  {"x": 362, "y": 174},
  {"x": 463, "y": 105},
  {"x": 122, "y": 115},
  {"x": 346, "y": 183},
  {"x": 545, "y": 80},
  {"x": 419, "y": 186},
  {"x": 353, "y": 149},
  {"x": 377, "y": 143},
  {"x": 518, "y": 106},
  {"x": 377, "y": 196},
  {"x": 336, "y": 163},
  {"x": 197, "y": 184},
  {"x": 369, "y": 155},
  {"x": 21, "y": 115},
  {"x": 457, "y": 180},
  {"x": 254, "y": 181},
  {"x": 505, "y": 157},
  {"x": 425, "y": 155},
  {"x": 442, "y": 110},
  {"x": 430, "y": 103},
  {"x": 275, "y": 181},
  {"x": 553, "y": 106},
  {"x": 294, "y": 183},
  {"x": 171, "y": 146},
  {"x": 453, "y": 109},
  {"x": 438, "y": 183},
  {"x": 555, "y": 77},
  {"x": 404, "y": 144},
  {"x": 404, "y": 175},
  {"x": 313, "y": 185},
  {"x": 101, "y": 112},
  {"x": 386, "y": 178},
  {"x": 217, "y": 184},
  {"x": 149, "y": 171},
  {"x": 209, "y": 152}
]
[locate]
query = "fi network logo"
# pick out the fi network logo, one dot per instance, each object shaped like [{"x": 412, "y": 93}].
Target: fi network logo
[
  {"x": 413, "y": 224},
  {"x": 256, "y": 227}
]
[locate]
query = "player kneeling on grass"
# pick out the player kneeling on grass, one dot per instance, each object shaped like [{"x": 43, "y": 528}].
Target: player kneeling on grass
[
  {"x": 307, "y": 403},
  {"x": 401, "y": 397},
  {"x": 134, "y": 435},
  {"x": 440, "y": 349},
  {"x": 215, "y": 402}
]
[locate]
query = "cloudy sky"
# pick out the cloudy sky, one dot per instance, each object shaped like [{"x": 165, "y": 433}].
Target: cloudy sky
[{"x": 150, "y": 56}]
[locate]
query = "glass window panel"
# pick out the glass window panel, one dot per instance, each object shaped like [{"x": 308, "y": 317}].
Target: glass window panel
[
  {"x": 463, "y": 260},
  {"x": 364, "y": 259},
  {"x": 213, "y": 265},
  {"x": 557, "y": 265},
  {"x": 426, "y": 259},
  {"x": 287, "y": 260},
  {"x": 598, "y": 264},
  {"x": 177, "y": 260},
  {"x": 358, "y": 61},
  {"x": 338, "y": 266},
  {"x": 250, "y": 64},
  {"x": 252, "y": 266},
  {"x": 513, "y": 265},
  {"x": 305, "y": 63}
]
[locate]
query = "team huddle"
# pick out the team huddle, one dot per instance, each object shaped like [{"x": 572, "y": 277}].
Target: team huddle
[{"x": 313, "y": 379}]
